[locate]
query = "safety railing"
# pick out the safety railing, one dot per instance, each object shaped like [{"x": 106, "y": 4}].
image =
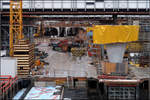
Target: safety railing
[{"x": 6, "y": 83}]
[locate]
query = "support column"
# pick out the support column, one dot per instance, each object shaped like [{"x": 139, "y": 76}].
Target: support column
[
  {"x": 58, "y": 30},
  {"x": 31, "y": 34},
  {"x": 67, "y": 31},
  {"x": 114, "y": 19},
  {"x": 115, "y": 52}
]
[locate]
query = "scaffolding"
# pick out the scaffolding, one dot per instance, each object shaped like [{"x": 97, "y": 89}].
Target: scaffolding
[{"x": 142, "y": 46}]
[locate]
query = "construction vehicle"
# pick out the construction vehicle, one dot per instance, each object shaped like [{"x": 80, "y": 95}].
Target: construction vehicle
[
  {"x": 39, "y": 30},
  {"x": 38, "y": 63},
  {"x": 64, "y": 45}
]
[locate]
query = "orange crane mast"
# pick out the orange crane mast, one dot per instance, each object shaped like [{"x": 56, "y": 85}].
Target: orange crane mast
[{"x": 16, "y": 23}]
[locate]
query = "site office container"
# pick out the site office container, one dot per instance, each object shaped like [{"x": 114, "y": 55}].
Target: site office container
[{"x": 8, "y": 66}]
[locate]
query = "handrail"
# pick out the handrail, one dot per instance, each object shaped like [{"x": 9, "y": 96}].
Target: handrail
[
  {"x": 8, "y": 84},
  {"x": 3, "y": 83},
  {"x": 15, "y": 79},
  {"x": 111, "y": 77},
  {"x": 5, "y": 77}
]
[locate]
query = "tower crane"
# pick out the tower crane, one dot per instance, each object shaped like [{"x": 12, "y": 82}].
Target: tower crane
[{"x": 16, "y": 23}]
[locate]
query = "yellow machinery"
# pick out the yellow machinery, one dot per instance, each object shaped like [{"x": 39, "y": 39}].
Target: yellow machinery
[
  {"x": 39, "y": 63},
  {"x": 40, "y": 30},
  {"x": 37, "y": 34},
  {"x": 15, "y": 23}
]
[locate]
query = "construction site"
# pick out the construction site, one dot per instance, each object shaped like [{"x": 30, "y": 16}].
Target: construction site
[{"x": 75, "y": 49}]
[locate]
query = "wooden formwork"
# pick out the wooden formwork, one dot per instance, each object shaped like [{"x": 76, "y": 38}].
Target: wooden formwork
[
  {"x": 24, "y": 52},
  {"x": 119, "y": 68}
]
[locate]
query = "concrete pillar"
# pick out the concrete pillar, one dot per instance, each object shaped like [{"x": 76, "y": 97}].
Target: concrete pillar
[
  {"x": 31, "y": 34},
  {"x": 102, "y": 51},
  {"x": 67, "y": 31},
  {"x": 58, "y": 30},
  {"x": 115, "y": 52}
]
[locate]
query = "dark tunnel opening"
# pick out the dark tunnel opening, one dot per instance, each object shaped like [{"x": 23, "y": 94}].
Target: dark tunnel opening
[
  {"x": 51, "y": 32},
  {"x": 74, "y": 31}
]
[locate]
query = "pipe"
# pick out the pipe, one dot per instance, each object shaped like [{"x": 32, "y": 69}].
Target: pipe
[{"x": 119, "y": 80}]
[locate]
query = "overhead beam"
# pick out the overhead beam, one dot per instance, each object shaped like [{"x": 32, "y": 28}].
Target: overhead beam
[{"x": 80, "y": 13}]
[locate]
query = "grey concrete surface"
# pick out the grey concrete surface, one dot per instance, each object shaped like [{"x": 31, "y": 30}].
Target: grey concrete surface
[{"x": 63, "y": 64}]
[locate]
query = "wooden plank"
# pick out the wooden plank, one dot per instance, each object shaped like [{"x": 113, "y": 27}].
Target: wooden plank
[
  {"x": 24, "y": 57},
  {"x": 23, "y": 71},
  {"x": 23, "y": 65},
  {"x": 108, "y": 67},
  {"x": 21, "y": 55}
]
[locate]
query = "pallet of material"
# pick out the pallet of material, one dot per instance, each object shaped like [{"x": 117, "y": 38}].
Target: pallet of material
[{"x": 114, "y": 68}]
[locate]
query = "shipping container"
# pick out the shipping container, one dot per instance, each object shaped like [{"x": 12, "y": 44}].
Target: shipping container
[{"x": 8, "y": 66}]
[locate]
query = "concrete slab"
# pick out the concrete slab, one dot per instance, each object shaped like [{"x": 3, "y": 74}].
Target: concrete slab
[{"x": 63, "y": 64}]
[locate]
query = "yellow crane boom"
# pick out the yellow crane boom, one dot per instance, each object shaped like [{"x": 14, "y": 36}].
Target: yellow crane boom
[{"x": 16, "y": 24}]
